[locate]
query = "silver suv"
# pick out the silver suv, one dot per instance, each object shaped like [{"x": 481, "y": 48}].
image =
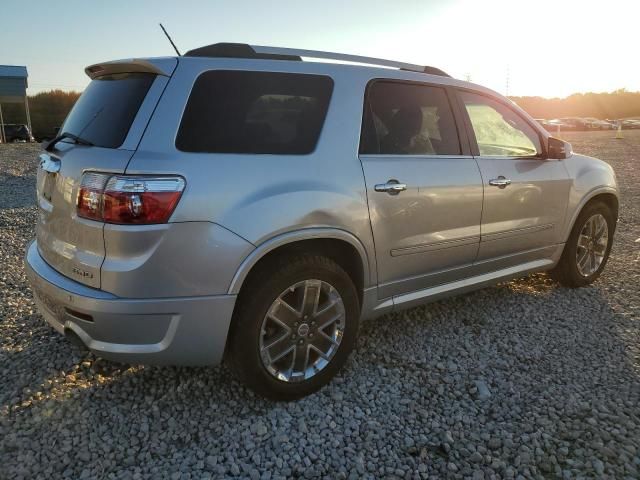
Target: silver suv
[{"x": 240, "y": 203}]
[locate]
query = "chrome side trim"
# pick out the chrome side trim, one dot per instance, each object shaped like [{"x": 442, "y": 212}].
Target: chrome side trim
[
  {"x": 429, "y": 294},
  {"x": 517, "y": 231},
  {"x": 365, "y": 156},
  {"x": 552, "y": 252},
  {"x": 428, "y": 247}
]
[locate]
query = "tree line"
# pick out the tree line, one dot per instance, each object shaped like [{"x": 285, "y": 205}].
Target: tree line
[
  {"x": 614, "y": 105},
  {"x": 49, "y": 109}
]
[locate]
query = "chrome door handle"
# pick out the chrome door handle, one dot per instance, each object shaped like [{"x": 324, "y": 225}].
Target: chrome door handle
[
  {"x": 392, "y": 187},
  {"x": 500, "y": 182}
]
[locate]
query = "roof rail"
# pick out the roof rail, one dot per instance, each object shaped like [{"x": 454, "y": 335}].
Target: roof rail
[
  {"x": 241, "y": 50},
  {"x": 235, "y": 50}
]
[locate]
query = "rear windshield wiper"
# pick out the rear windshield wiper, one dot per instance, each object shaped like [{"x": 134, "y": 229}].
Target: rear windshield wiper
[{"x": 71, "y": 136}]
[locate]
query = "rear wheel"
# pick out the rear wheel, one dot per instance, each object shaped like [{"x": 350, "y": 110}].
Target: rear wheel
[
  {"x": 295, "y": 324},
  {"x": 587, "y": 249}
]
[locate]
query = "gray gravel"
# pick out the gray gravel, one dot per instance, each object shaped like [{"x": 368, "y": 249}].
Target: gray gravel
[{"x": 522, "y": 380}]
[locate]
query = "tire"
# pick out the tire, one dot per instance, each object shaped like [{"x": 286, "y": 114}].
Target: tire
[
  {"x": 568, "y": 271},
  {"x": 252, "y": 331}
]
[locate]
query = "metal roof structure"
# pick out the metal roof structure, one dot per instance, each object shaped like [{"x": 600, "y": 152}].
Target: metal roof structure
[
  {"x": 13, "y": 83},
  {"x": 13, "y": 89},
  {"x": 13, "y": 71}
]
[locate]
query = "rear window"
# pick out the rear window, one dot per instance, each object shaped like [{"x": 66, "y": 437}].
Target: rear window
[
  {"x": 105, "y": 111},
  {"x": 254, "y": 112}
]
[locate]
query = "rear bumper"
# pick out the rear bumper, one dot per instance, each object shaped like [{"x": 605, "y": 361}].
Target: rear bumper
[{"x": 164, "y": 331}]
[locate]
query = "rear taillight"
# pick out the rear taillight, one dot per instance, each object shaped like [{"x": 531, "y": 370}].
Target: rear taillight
[
  {"x": 128, "y": 199},
  {"x": 90, "y": 196}
]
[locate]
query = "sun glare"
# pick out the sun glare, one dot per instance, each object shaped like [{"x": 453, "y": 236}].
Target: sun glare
[{"x": 523, "y": 48}]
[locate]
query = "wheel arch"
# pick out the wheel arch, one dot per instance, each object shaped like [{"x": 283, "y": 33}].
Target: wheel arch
[
  {"x": 607, "y": 195},
  {"x": 339, "y": 245}
]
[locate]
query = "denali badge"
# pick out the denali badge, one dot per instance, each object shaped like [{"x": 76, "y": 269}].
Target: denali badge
[{"x": 82, "y": 273}]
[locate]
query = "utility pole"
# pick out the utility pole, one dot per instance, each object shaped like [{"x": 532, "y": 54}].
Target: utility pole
[
  {"x": 26, "y": 107},
  {"x": 2, "y": 135},
  {"x": 507, "y": 82}
]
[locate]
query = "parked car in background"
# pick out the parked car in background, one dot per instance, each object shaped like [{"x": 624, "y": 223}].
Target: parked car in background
[
  {"x": 545, "y": 124},
  {"x": 17, "y": 132},
  {"x": 552, "y": 125},
  {"x": 239, "y": 202},
  {"x": 630, "y": 124},
  {"x": 575, "y": 123},
  {"x": 597, "y": 124}
]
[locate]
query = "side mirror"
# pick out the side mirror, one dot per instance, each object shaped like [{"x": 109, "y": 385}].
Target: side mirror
[{"x": 558, "y": 149}]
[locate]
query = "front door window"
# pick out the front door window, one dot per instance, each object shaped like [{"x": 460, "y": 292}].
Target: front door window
[{"x": 499, "y": 131}]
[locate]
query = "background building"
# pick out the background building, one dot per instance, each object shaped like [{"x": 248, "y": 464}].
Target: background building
[{"x": 13, "y": 89}]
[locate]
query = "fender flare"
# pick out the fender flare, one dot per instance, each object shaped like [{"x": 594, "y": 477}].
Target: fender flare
[
  {"x": 586, "y": 199},
  {"x": 304, "y": 234}
]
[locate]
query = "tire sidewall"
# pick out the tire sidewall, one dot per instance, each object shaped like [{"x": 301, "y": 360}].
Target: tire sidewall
[
  {"x": 572, "y": 246},
  {"x": 254, "y": 307}
]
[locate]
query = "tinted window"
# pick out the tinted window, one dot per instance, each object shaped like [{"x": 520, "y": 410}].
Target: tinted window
[
  {"x": 105, "y": 111},
  {"x": 254, "y": 112},
  {"x": 498, "y": 129},
  {"x": 407, "y": 119}
]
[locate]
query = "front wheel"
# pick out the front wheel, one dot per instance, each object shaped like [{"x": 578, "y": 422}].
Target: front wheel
[
  {"x": 295, "y": 324},
  {"x": 587, "y": 249}
]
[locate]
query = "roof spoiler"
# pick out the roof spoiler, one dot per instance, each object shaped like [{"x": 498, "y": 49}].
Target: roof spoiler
[{"x": 134, "y": 65}]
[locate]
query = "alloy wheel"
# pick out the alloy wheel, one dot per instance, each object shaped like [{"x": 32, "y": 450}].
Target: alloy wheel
[
  {"x": 592, "y": 245},
  {"x": 302, "y": 330}
]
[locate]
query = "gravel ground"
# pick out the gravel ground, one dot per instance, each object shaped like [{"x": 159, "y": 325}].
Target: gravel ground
[{"x": 522, "y": 380}]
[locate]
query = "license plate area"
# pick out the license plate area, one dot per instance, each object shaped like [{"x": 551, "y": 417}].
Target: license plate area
[{"x": 53, "y": 308}]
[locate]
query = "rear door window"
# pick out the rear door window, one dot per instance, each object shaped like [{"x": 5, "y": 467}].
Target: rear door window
[
  {"x": 408, "y": 119},
  {"x": 254, "y": 112},
  {"x": 105, "y": 111}
]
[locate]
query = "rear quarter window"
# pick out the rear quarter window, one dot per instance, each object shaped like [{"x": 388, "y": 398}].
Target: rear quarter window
[{"x": 254, "y": 112}]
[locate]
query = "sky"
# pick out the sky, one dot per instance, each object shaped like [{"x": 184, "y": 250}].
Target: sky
[{"x": 549, "y": 48}]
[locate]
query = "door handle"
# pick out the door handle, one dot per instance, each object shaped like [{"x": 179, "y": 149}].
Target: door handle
[
  {"x": 500, "y": 182},
  {"x": 392, "y": 187}
]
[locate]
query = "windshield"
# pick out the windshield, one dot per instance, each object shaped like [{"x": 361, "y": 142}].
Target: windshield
[{"x": 105, "y": 111}]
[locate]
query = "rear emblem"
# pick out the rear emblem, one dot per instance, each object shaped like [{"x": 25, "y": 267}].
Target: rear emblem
[{"x": 82, "y": 273}]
